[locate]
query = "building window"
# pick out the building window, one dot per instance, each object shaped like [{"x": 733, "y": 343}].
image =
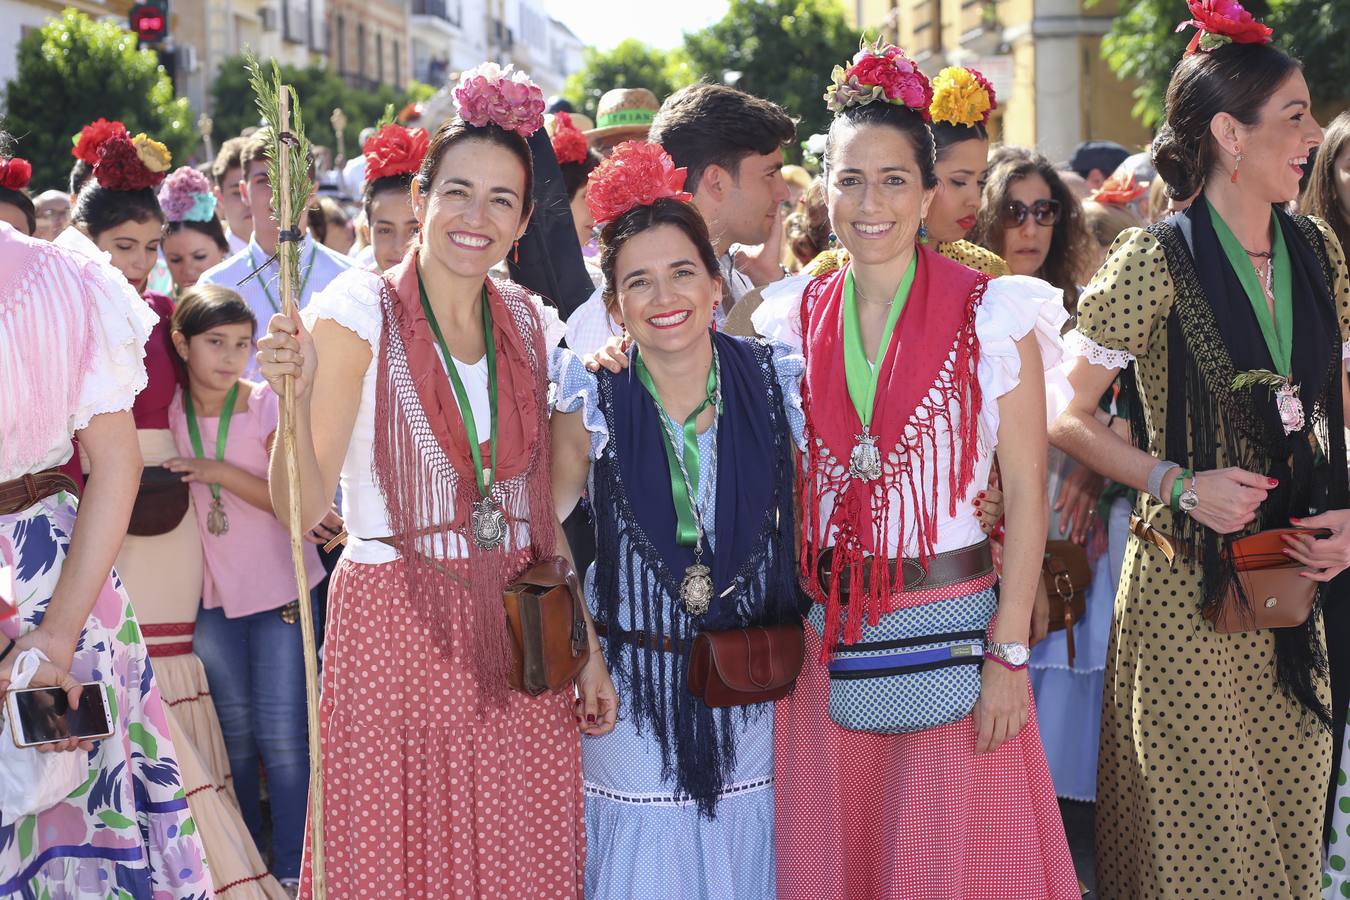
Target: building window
[
  {"x": 379, "y": 57},
  {"x": 340, "y": 39},
  {"x": 398, "y": 65},
  {"x": 361, "y": 49}
]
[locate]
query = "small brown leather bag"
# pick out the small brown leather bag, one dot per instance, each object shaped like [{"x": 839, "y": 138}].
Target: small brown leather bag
[
  {"x": 1278, "y": 596},
  {"x": 161, "y": 502},
  {"x": 548, "y": 627},
  {"x": 1065, "y": 577},
  {"x": 742, "y": 666}
]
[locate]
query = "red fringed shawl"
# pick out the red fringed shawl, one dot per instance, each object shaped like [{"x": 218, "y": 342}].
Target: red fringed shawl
[
  {"x": 927, "y": 386},
  {"x": 426, "y": 474}
]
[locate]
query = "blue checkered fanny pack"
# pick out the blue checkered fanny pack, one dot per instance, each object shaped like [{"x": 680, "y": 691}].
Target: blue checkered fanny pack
[{"x": 918, "y": 668}]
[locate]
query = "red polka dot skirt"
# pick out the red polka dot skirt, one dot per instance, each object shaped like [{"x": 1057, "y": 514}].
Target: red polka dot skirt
[
  {"x": 863, "y": 816},
  {"x": 423, "y": 797}
]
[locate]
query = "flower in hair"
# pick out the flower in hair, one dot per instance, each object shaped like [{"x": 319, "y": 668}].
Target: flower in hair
[
  {"x": 489, "y": 94},
  {"x": 879, "y": 72},
  {"x": 92, "y": 136},
  {"x": 15, "y": 173},
  {"x": 186, "y": 196},
  {"x": 120, "y": 167},
  {"x": 155, "y": 155},
  {"x": 394, "y": 150},
  {"x": 1219, "y": 22},
  {"x": 569, "y": 144},
  {"x": 636, "y": 174},
  {"x": 962, "y": 96},
  {"x": 1119, "y": 190}
]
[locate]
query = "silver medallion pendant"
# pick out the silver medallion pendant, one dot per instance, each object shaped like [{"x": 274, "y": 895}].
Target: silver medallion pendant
[
  {"x": 216, "y": 521},
  {"x": 864, "y": 463},
  {"x": 488, "y": 522},
  {"x": 696, "y": 590}
]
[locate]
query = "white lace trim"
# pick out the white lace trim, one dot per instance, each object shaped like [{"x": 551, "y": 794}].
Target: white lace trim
[
  {"x": 1345, "y": 352},
  {"x": 1080, "y": 345},
  {"x": 664, "y": 798}
]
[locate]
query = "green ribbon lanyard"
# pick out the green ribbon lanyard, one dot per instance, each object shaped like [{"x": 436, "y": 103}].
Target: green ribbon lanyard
[
  {"x": 1278, "y": 331},
  {"x": 222, "y": 430},
  {"x": 304, "y": 281},
  {"x": 485, "y": 477},
  {"x": 861, "y": 375},
  {"x": 686, "y": 527}
]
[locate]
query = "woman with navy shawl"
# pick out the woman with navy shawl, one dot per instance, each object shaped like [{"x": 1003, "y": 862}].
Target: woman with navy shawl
[{"x": 688, "y": 458}]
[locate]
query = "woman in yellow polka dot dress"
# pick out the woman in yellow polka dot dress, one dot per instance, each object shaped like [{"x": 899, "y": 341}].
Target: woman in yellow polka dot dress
[{"x": 1216, "y": 748}]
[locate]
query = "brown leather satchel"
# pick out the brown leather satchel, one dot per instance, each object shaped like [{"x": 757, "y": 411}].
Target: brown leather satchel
[
  {"x": 1278, "y": 596},
  {"x": 543, "y": 610},
  {"x": 161, "y": 502},
  {"x": 745, "y": 665},
  {"x": 1065, "y": 577}
]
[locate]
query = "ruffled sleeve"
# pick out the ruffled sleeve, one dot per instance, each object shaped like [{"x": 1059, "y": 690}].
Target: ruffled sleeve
[
  {"x": 120, "y": 322},
  {"x": 555, "y": 329},
  {"x": 778, "y": 319},
  {"x": 353, "y": 301},
  {"x": 575, "y": 388},
  {"x": 1123, "y": 307},
  {"x": 1013, "y": 307},
  {"x": 790, "y": 365}
]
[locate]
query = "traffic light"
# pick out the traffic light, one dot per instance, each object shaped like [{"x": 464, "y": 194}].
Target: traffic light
[{"x": 150, "y": 21}]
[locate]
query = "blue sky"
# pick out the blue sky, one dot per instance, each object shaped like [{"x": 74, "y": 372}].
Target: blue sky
[{"x": 604, "y": 23}]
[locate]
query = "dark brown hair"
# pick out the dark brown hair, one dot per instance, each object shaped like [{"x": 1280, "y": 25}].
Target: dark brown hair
[
  {"x": 1068, "y": 243},
  {"x": 101, "y": 209},
  {"x": 24, "y": 203},
  {"x": 388, "y": 184},
  {"x": 456, "y": 131},
  {"x": 575, "y": 173},
  {"x": 1320, "y": 197},
  {"x": 206, "y": 306},
  {"x": 1236, "y": 79},
  {"x": 807, "y": 228},
  {"x": 666, "y": 211},
  {"x": 230, "y": 156},
  {"x": 947, "y": 135},
  {"x": 257, "y": 146},
  {"x": 211, "y": 228},
  {"x": 902, "y": 119},
  {"x": 706, "y": 125}
]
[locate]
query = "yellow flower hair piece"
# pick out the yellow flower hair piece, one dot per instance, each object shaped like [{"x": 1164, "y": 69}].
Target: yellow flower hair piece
[
  {"x": 152, "y": 153},
  {"x": 962, "y": 96}
]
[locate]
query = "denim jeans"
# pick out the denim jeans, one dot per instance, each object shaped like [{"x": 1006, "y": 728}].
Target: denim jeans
[{"x": 256, "y": 670}]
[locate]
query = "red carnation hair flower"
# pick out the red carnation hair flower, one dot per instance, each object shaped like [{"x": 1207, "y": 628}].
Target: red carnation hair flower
[
  {"x": 1219, "y": 22},
  {"x": 569, "y": 144},
  {"x": 637, "y": 173},
  {"x": 394, "y": 150},
  {"x": 93, "y": 136},
  {"x": 119, "y": 167},
  {"x": 15, "y": 173}
]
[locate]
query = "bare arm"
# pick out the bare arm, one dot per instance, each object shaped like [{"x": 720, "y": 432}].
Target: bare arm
[
  {"x": 571, "y": 461},
  {"x": 244, "y": 485},
  {"x": 597, "y": 706}
]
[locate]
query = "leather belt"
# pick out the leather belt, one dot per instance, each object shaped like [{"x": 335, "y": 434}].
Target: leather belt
[
  {"x": 944, "y": 569},
  {"x": 24, "y": 491},
  {"x": 1154, "y": 538},
  {"x": 641, "y": 638}
]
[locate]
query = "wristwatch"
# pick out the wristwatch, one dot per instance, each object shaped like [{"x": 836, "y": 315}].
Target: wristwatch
[
  {"x": 1189, "y": 498},
  {"x": 1012, "y": 654}
]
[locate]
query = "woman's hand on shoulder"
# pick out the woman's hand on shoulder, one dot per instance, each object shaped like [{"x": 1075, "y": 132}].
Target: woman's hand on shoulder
[
  {"x": 612, "y": 357},
  {"x": 597, "y": 706},
  {"x": 288, "y": 349},
  {"x": 1327, "y": 557},
  {"x": 1229, "y": 498}
]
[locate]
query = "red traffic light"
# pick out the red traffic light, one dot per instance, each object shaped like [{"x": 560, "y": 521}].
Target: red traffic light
[{"x": 150, "y": 22}]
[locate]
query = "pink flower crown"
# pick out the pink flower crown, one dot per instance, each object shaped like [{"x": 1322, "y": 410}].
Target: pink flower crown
[
  {"x": 636, "y": 174},
  {"x": 185, "y": 196},
  {"x": 489, "y": 94},
  {"x": 1219, "y": 22},
  {"x": 879, "y": 72}
]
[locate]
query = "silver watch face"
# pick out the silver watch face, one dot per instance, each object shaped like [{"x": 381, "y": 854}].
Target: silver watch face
[
  {"x": 1188, "y": 501},
  {"x": 1012, "y": 653}
]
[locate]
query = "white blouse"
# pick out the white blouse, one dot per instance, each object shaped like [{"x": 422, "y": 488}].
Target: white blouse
[
  {"x": 1013, "y": 306},
  {"x": 352, "y": 300}
]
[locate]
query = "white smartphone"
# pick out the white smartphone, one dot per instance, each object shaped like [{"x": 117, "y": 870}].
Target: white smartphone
[{"x": 44, "y": 716}]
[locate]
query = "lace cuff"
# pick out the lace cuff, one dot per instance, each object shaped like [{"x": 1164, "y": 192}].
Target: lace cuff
[{"x": 1080, "y": 345}]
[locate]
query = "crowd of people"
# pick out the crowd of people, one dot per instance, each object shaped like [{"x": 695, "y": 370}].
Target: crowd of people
[{"x": 892, "y": 501}]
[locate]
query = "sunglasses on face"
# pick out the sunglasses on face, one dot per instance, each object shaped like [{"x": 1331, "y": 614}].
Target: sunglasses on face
[{"x": 1042, "y": 212}]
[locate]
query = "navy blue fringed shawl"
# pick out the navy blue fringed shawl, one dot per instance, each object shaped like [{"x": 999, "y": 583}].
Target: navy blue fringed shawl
[{"x": 753, "y": 568}]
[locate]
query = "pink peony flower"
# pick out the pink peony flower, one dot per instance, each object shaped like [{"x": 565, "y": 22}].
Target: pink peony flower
[{"x": 506, "y": 98}]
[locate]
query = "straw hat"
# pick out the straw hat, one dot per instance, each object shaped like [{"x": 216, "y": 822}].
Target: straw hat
[{"x": 626, "y": 112}]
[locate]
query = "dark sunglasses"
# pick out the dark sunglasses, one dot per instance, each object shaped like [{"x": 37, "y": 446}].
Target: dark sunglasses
[{"x": 1043, "y": 212}]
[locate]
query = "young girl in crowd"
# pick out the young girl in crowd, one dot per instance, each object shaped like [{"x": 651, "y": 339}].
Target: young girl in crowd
[
  {"x": 248, "y": 634},
  {"x": 194, "y": 239},
  {"x": 393, "y": 156}
]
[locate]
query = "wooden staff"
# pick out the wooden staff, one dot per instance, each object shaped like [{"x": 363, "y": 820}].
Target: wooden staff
[{"x": 288, "y": 252}]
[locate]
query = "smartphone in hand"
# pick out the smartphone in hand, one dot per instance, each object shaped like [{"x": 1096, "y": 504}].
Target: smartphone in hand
[{"x": 43, "y": 715}]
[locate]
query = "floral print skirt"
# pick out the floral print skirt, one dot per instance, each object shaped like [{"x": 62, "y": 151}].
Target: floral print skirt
[{"x": 126, "y": 832}]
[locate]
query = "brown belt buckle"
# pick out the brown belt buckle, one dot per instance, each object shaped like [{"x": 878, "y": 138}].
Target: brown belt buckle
[{"x": 290, "y": 613}]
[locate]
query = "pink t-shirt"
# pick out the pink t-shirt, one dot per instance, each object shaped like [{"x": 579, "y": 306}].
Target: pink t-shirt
[{"x": 248, "y": 568}]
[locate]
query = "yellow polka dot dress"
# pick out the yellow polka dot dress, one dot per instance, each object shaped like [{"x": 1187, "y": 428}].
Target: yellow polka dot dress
[{"x": 1206, "y": 786}]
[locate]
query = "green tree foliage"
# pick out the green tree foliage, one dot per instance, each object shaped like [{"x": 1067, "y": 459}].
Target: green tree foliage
[
  {"x": 631, "y": 64},
  {"x": 1143, "y": 45},
  {"x": 783, "y": 51},
  {"x": 320, "y": 92},
  {"x": 74, "y": 70}
]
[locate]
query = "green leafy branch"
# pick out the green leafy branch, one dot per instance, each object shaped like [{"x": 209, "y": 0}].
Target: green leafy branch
[{"x": 1245, "y": 381}]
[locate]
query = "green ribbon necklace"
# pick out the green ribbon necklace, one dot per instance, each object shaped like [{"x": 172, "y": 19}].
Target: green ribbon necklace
[
  {"x": 1277, "y": 330},
  {"x": 696, "y": 589},
  {"x": 267, "y": 292},
  {"x": 216, "y": 521},
  {"x": 488, "y": 521},
  {"x": 862, "y": 376}
]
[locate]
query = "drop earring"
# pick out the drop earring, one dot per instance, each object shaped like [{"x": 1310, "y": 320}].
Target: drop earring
[
  {"x": 923, "y": 232},
  {"x": 1237, "y": 158},
  {"x": 833, "y": 238},
  {"x": 515, "y": 252}
]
